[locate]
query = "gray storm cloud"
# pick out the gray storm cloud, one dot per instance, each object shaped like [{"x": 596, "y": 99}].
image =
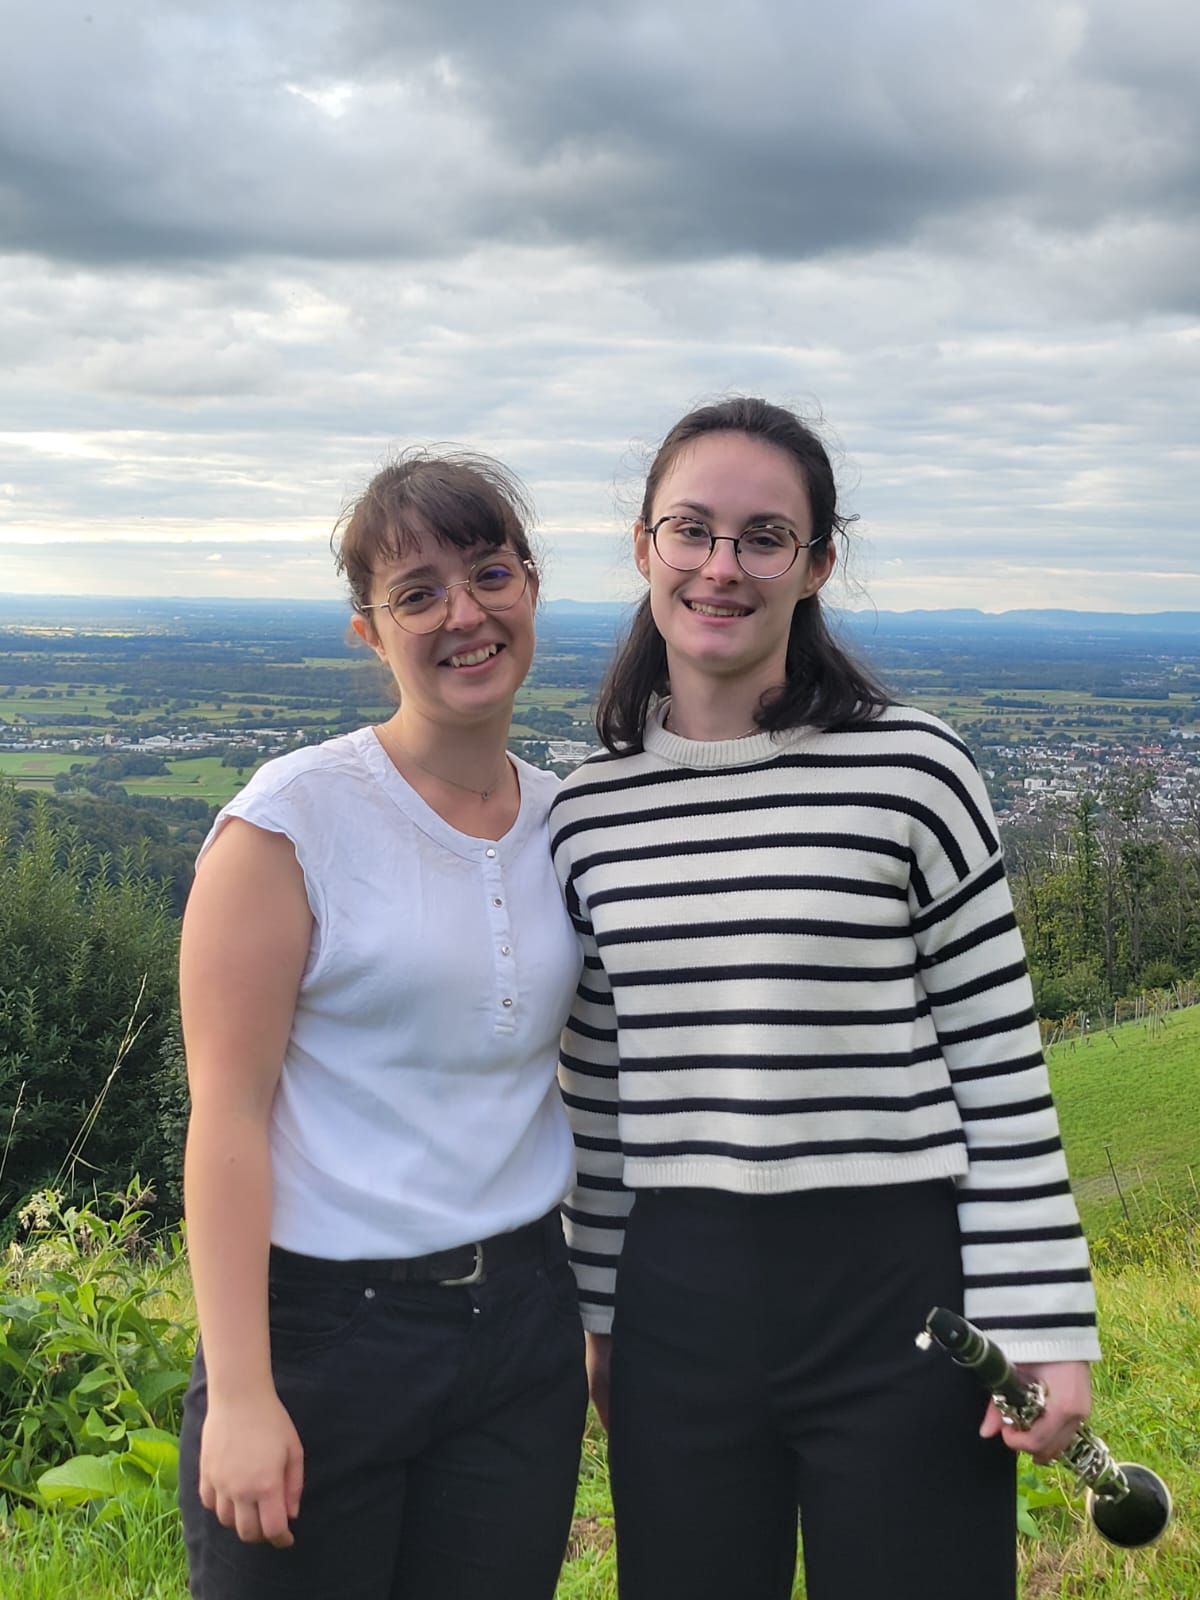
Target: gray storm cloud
[{"x": 645, "y": 132}]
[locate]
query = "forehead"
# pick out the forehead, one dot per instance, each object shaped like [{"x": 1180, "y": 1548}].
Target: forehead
[
  {"x": 419, "y": 550},
  {"x": 732, "y": 473}
]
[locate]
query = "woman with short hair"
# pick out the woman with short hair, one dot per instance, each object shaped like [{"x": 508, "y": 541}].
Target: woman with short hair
[{"x": 375, "y": 968}]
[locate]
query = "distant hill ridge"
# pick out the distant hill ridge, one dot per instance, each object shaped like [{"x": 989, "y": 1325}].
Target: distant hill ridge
[{"x": 33, "y": 607}]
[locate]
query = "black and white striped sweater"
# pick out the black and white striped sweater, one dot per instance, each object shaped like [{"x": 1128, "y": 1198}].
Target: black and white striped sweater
[{"x": 802, "y": 971}]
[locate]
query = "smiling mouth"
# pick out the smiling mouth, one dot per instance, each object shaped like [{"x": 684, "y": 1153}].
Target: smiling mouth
[
  {"x": 704, "y": 608},
  {"x": 474, "y": 658}
]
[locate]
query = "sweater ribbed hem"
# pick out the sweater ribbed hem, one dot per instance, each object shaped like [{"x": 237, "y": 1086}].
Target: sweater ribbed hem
[{"x": 793, "y": 1175}]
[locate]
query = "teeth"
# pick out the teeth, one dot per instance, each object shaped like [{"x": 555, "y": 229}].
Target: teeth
[
  {"x": 717, "y": 611},
  {"x": 474, "y": 657}
]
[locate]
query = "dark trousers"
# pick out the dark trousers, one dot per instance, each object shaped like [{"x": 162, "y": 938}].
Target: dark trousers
[
  {"x": 763, "y": 1359},
  {"x": 441, "y": 1431}
]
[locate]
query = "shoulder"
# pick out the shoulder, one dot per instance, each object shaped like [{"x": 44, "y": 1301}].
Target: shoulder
[
  {"x": 602, "y": 770},
  {"x": 295, "y": 793},
  {"x": 537, "y": 784},
  {"x": 909, "y": 728},
  {"x": 342, "y": 756},
  {"x": 903, "y": 744}
]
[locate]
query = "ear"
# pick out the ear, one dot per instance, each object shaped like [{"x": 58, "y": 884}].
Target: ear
[
  {"x": 821, "y": 569},
  {"x": 641, "y": 548},
  {"x": 365, "y": 629}
]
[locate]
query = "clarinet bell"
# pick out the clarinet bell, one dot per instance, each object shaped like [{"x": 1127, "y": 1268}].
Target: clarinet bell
[{"x": 1136, "y": 1518}]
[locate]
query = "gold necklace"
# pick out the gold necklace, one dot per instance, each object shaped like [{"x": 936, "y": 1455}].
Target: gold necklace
[
  {"x": 484, "y": 794},
  {"x": 667, "y": 728}
]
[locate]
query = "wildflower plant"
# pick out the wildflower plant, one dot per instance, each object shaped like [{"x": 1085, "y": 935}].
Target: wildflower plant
[{"x": 94, "y": 1351}]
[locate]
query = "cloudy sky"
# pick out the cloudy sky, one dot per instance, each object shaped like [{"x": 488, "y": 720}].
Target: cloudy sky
[{"x": 246, "y": 248}]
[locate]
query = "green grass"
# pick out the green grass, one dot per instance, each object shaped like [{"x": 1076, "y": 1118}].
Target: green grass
[
  {"x": 1136, "y": 1090},
  {"x": 38, "y": 766},
  {"x": 1147, "y": 1407},
  {"x": 203, "y": 778}
]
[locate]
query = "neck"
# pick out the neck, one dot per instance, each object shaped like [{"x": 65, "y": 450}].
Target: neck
[
  {"x": 472, "y": 757},
  {"x": 712, "y": 720},
  {"x": 711, "y": 711}
]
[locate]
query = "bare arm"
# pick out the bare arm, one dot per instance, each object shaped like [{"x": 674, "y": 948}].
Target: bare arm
[{"x": 246, "y": 935}]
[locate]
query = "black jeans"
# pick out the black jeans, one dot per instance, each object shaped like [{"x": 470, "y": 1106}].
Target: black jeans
[
  {"x": 441, "y": 1431},
  {"x": 763, "y": 1359}
]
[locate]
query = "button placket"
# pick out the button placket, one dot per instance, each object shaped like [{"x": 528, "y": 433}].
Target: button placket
[{"x": 504, "y": 991}]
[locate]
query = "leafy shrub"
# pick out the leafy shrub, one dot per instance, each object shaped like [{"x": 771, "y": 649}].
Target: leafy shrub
[
  {"x": 93, "y": 1363},
  {"x": 87, "y": 999}
]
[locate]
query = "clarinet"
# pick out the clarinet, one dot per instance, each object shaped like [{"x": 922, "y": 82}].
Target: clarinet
[{"x": 1129, "y": 1505}]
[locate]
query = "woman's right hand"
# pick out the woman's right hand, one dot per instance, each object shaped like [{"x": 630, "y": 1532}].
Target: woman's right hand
[
  {"x": 598, "y": 1349},
  {"x": 252, "y": 1469}
]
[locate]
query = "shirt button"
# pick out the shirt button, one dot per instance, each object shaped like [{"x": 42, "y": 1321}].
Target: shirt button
[
  {"x": 507, "y": 1001},
  {"x": 505, "y": 950},
  {"x": 489, "y": 854},
  {"x": 497, "y": 902}
]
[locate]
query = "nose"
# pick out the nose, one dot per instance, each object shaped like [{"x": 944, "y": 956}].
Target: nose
[
  {"x": 462, "y": 608},
  {"x": 722, "y": 564}
]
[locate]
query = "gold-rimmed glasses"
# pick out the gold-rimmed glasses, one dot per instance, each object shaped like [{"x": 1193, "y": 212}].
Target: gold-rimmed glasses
[{"x": 496, "y": 582}]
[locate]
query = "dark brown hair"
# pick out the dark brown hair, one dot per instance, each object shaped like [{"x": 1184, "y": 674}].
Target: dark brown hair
[
  {"x": 824, "y": 686},
  {"x": 458, "y": 498}
]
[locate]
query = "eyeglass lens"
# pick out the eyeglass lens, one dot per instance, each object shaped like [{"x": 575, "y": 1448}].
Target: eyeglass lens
[
  {"x": 762, "y": 552},
  {"x": 496, "y": 583}
]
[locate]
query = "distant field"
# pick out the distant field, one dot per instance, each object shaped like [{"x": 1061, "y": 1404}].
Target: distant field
[
  {"x": 203, "y": 779},
  {"x": 91, "y": 702},
  {"x": 1045, "y": 711},
  {"x": 1138, "y": 1091},
  {"x": 39, "y": 766}
]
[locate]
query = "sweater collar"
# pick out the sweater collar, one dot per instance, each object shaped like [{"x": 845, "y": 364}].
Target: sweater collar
[{"x": 710, "y": 754}]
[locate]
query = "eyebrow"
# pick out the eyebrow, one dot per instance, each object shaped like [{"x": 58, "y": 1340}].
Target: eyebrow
[
  {"x": 430, "y": 574},
  {"x": 755, "y": 516},
  {"x": 411, "y": 575}
]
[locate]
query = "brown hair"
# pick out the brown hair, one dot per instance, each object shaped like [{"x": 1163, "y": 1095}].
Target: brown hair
[
  {"x": 460, "y": 499},
  {"x": 823, "y": 684}
]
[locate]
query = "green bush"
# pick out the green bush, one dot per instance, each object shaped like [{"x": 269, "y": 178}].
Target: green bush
[
  {"x": 94, "y": 1353},
  {"x": 88, "y": 951}
]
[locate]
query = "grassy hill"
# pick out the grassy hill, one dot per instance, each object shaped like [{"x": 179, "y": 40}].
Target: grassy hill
[{"x": 1132, "y": 1095}]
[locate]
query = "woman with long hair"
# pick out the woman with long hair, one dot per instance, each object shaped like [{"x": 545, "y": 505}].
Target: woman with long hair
[
  {"x": 375, "y": 969},
  {"x": 804, "y": 1074}
]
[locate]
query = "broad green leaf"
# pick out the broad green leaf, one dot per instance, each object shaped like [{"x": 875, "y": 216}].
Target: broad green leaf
[
  {"x": 154, "y": 1387},
  {"x": 81, "y": 1479},
  {"x": 95, "y": 1427},
  {"x": 158, "y": 1453},
  {"x": 91, "y": 1381}
]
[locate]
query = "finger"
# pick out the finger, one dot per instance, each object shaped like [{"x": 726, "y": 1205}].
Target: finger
[
  {"x": 273, "y": 1520},
  {"x": 992, "y": 1423},
  {"x": 225, "y": 1509},
  {"x": 249, "y": 1528},
  {"x": 293, "y": 1481}
]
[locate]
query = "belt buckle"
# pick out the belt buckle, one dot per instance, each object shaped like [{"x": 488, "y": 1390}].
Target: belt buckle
[{"x": 476, "y": 1274}]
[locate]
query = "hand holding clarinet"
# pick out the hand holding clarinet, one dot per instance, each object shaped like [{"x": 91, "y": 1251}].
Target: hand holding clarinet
[{"x": 1129, "y": 1505}]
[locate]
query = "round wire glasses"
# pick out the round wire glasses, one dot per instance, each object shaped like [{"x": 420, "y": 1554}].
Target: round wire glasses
[
  {"x": 765, "y": 550},
  {"x": 496, "y": 583}
]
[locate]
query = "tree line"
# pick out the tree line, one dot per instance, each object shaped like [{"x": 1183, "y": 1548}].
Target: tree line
[{"x": 1107, "y": 895}]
